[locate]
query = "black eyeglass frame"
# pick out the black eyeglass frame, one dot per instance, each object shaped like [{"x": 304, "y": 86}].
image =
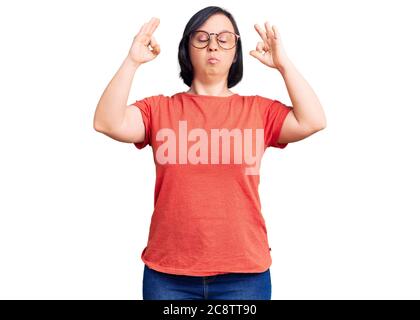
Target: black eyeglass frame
[{"x": 237, "y": 36}]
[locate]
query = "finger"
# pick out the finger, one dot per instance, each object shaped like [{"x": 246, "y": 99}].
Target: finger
[
  {"x": 153, "y": 41},
  {"x": 155, "y": 45},
  {"x": 260, "y": 46},
  {"x": 261, "y": 32},
  {"x": 269, "y": 31},
  {"x": 152, "y": 25},
  {"x": 276, "y": 32},
  {"x": 141, "y": 30},
  {"x": 257, "y": 55}
]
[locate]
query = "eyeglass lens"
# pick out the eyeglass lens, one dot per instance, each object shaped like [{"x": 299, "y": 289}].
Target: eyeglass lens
[{"x": 227, "y": 40}]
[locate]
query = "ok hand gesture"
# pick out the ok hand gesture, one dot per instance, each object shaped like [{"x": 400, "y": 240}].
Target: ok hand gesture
[
  {"x": 270, "y": 51},
  {"x": 140, "y": 51}
]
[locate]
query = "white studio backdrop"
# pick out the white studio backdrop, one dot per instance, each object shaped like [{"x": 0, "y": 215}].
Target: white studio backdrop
[{"x": 341, "y": 206}]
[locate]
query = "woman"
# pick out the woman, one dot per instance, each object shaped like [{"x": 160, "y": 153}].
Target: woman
[{"x": 207, "y": 236}]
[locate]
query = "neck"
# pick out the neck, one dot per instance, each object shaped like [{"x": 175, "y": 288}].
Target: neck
[{"x": 210, "y": 90}]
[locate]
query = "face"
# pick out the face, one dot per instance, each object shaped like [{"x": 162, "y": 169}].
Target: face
[{"x": 199, "y": 57}]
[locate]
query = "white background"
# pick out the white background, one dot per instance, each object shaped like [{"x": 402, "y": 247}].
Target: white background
[{"x": 341, "y": 206}]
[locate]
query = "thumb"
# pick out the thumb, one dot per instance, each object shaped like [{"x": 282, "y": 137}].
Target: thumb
[{"x": 256, "y": 54}]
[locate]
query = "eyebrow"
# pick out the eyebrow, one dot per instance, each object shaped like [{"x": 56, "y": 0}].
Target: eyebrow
[{"x": 219, "y": 31}]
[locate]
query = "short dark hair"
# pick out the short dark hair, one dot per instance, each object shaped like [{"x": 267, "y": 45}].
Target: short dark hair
[{"x": 187, "y": 72}]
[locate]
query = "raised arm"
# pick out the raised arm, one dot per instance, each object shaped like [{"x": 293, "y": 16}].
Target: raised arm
[
  {"x": 112, "y": 116},
  {"x": 307, "y": 116}
]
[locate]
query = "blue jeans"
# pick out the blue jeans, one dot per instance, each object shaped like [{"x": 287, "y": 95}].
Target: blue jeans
[{"x": 231, "y": 286}]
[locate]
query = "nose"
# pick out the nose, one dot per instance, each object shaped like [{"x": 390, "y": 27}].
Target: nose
[{"x": 213, "y": 45}]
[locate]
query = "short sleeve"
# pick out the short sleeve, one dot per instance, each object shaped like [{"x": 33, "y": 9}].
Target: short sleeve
[
  {"x": 274, "y": 114},
  {"x": 145, "y": 105}
]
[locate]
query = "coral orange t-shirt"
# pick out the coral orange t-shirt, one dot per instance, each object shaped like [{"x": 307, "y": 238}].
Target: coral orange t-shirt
[{"x": 207, "y": 217}]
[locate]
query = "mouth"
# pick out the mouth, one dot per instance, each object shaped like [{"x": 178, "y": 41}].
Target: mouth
[{"x": 212, "y": 60}]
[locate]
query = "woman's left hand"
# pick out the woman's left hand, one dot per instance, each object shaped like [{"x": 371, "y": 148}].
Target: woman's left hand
[{"x": 270, "y": 51}]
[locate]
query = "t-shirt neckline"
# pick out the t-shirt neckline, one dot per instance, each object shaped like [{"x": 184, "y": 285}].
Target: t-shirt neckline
[{"x": 207, "y": 96}]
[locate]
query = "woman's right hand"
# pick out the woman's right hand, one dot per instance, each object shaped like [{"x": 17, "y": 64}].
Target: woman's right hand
[{"x": 140, "y": 51}]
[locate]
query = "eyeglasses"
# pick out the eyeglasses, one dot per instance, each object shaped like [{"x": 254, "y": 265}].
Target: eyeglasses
[{"x": 200, "y": 39}]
